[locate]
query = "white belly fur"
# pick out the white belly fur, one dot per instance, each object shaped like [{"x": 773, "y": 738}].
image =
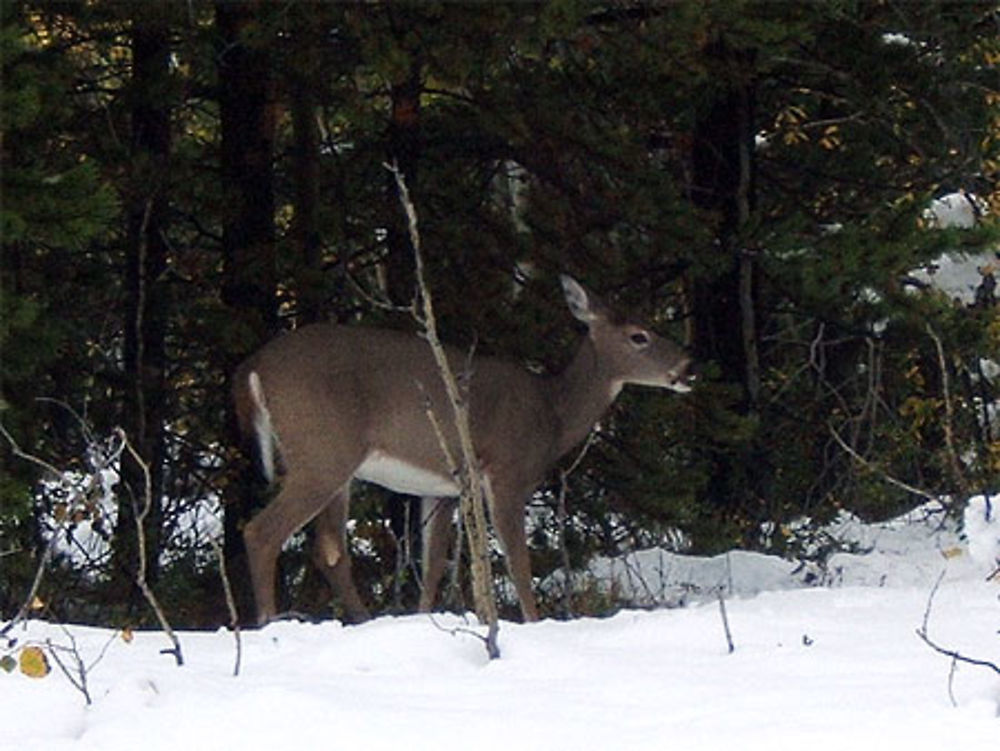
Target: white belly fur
[{"x": 401, "y": 477}]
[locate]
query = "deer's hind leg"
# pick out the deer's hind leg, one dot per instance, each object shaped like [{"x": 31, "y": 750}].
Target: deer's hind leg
[
  {"x": 295, "y": 505},
  {"x": 318, "y": 470},
  {"x": 331, "y": 555}
]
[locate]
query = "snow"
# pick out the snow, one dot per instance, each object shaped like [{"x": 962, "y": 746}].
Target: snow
[
  {"x": 957, "y": 276},
  {"x": 833, "y": 666},
  {"x": 906, "y": 552},
  {"x": 958, "y": 209}
]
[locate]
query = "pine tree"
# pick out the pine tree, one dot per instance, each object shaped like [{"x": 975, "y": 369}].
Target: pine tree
[{"x": 751, "y": 176}]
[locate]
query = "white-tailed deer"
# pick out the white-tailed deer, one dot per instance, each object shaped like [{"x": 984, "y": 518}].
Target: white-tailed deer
[{"x": 336, "y": 403}]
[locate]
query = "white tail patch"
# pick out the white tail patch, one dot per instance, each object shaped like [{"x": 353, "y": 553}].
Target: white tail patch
[{"x": 262, "y": 427}]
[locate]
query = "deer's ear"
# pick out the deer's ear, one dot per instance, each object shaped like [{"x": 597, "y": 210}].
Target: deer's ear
[{"x": 580, "y": 301}]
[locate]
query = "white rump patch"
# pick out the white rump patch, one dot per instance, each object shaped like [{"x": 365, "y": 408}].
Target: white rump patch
[
  {"x": 402, "y": 477},
  {"x": 262, "y": 427}
]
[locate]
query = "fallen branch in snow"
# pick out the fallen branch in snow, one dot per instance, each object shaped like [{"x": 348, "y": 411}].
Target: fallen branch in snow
[
  {"x": 467, "y": 631},
  {"x": 955, "y": 655},
  {"x": 77, "y": 676},
  {"x": 78, "y": 672},
  {"x": 725, "y": 620}
]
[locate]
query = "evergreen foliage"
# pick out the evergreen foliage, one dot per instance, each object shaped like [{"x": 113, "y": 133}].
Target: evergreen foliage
[{"x": 752, "y": 176}]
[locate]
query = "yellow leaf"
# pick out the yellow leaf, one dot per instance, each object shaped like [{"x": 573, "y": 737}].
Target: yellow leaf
[
  {"x": 37, "y": 603},
  {"x": 953, "y": 552},
  {"x": 34, "y": 663},
  {"x": 127, "y": 635}
]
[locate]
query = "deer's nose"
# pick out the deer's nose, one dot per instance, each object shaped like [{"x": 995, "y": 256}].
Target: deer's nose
[{"x": 682, "y": 377}]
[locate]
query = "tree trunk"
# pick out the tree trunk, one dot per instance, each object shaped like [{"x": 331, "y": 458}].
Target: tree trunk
[
  {"x": 146, "y": 301},
  {"x": 305, "y": 170},
  {"x": 723, "y": 183},
  {"x": 247, "y": 110},
  {"x": 725, "y": 327}
]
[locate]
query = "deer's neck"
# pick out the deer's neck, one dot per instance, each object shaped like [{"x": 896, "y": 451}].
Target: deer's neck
[{"x": 581, "y": 394}]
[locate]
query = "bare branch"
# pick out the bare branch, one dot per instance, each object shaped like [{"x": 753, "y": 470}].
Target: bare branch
[
  {"x": 473, "y": 488},
  {"x": 20, "y": 454},
  {"x": 562, "y": 519},
  {"x": 28, "y": 603},
  {"x": 376, "y": 302},
  {"x": 77, "y": 676},
  {"x": 874, "y": 468},
  {"x": 955, "y": 655},
  {"x": 234, "y": 619},
  {"x": 79, "y": 488},
  {"x": 29, "y": 600},
  {"x": 140, "y": 575},
  {"x": 949, "y": 434}
]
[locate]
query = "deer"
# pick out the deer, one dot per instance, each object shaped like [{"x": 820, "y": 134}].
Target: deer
[{"x": 326, "y": 404}]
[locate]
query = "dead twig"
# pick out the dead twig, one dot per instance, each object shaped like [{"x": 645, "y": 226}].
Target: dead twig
[
  {"x": 725, "y": 620},
  {"x": 21, "y": 454},
  {"x": 234, "y": 618},
  {"x": 955, "y": 656},
  {"x": 949, "y": 414},
  {"x": 463, "y": 631},
  {"x": 474, "y": 491},
  {"x": 140, "y": 575},
  {"x": 77, "y": 672},
  {"x": 77, "y": 491},
  {"x": 562, "y": 519},
  {"x": 874, "y": 468}
]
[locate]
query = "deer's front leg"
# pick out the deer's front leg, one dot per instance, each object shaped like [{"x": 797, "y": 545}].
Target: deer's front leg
[
  {"x": 437, "y": 515},
  {"x": 507, "y": 512}
]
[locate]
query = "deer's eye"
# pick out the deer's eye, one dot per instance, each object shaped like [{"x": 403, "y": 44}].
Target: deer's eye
[{"x": 640, "y": 339}]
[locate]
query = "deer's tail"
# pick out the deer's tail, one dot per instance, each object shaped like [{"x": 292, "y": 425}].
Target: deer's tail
[{"x": 260, "y": 423}]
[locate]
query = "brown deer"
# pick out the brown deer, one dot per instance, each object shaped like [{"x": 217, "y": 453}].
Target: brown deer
[{"x": 335, "y": 403}]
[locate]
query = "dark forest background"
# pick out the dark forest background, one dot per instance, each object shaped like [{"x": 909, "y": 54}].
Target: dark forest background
[{"x": 183, "y": 180}]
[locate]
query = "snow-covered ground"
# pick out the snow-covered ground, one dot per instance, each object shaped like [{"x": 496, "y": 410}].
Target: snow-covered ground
[{"x": 835, "y": 665}]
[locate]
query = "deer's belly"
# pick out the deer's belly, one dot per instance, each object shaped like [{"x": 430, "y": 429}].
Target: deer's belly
[{"x": 401, "y": 477}]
